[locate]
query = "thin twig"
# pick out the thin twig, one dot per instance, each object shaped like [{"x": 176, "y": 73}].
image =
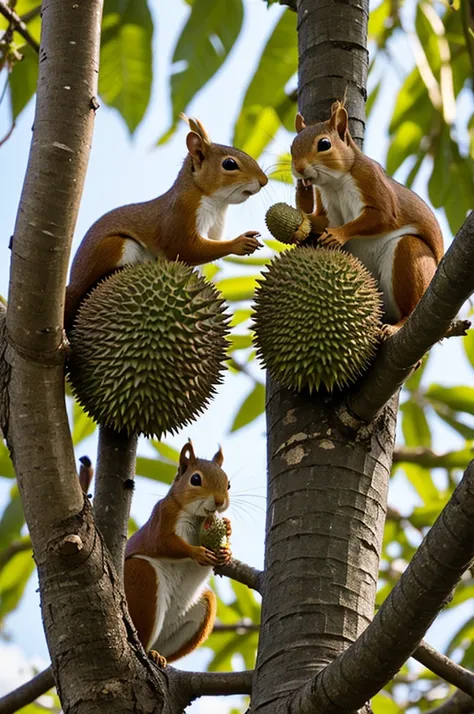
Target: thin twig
[
  {"x": 245, "y": 574},
  {"x": 18, "y": 24},
  {"x": 445, "y": 668},
  {"x": 27, "y": 693},
  {"x": 423, "y": 456},
  {"x": 185, "y": 687}
]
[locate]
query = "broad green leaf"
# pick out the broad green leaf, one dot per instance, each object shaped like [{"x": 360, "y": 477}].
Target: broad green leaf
[
  {"x": 282, "y": 172},
  {"x": 460, "y": 427},
  {"x": 13, "y": 579},
  {"x": 468, "y": 344},
  {"x": 248, "y": 260},
  {"x": 6, "y": 466},
  {"x": 82, "y": 424},
  {"x": 240, "y": 316},
  {"x": 459, "y": 399},
  {"x": 372, "y": 98},
  {"x": 126, "y": 58},
  {"x": 413, "y": 382},
  {"x": 276, "y": 245},
  {"x": 166, "y": 451},
  {"x": 251, "y": 408},
  {"x": 23, "y": 80},
  {"x": 425, "y": 516},
  {"x": 382, "y": 23},
  {"x": 240, "y": 342},
  {"x": 414, "y": 425},
  {"x": 245, "y": 603},
  {"x": 265, "y": 102},
  {"x": 210, "y": 270},
  {"x": 22, "y": 7},
  {"x": 205, "y": 42},
  {"x": 463, "y": 593},
  {"x": 156, "y": 470},
  {"x": 236, "y": 289},
  {"x": 412, "y": 104},
  {"x": 383, "y": 704},
  {"x": 464, "y": 635},
  {"x": 420, "y": 479},
  {"x": 12, "y": 520},
  {"x": 406, "y": 142}
]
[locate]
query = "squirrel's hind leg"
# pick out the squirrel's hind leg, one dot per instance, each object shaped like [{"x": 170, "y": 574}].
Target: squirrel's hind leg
[{"x": 194, "y": 628}]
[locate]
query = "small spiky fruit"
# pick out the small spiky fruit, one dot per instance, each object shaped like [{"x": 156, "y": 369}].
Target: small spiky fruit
[
  {"x": 317, "y": 318},
  {"x": 283, "y": 221},
  {"x": 148, "y": 348},
  {"x": 213, "y": 534}
]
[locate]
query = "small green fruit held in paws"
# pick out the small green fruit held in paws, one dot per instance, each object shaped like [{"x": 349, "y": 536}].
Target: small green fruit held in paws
[
  {"x": 317, "y": 318},
  {"x": 148, "y": 348},
  {"x": 213, "y": 534},
  {"x": 283, "y": 221}
]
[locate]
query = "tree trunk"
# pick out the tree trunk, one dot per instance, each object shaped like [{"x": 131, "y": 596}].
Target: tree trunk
[{"x": 327, "y": 472}]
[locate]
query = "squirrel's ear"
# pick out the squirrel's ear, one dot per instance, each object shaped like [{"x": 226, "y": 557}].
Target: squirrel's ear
[
  {"x": 340, "y": 120},
  {"x": 218, "y": 457},
  {"x": 197, "y": 147},
  {"x": 300, "y": 123},
  {"x": 186, "y": 456}
]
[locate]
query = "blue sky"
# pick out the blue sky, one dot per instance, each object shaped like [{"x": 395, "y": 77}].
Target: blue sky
[{"x": 124, "y": 170}]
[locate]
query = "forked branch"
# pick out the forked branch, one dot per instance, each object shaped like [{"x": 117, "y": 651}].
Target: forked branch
[
  {"x": 398, "y": 627},
  {"x": 18, "y": 25}
]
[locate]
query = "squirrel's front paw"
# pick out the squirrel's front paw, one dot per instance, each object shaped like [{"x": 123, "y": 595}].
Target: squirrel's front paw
[
  {"x": 388, "y": 331},
  {"x": 157, "y": 658},
  {"x": 330, "y": 239},
  {"x": 247, "y": 243},
  {"x": 203, "y": 556},
  {"x": 224, "y": 555}
]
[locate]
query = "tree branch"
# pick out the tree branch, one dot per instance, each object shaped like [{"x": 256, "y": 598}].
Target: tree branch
[
  {"x": 445, "y": 668},
  {"x": 17, "y": 546},
  {"x": 242, "y": 573},
  {"x": 459, "y": 703},
  {"x": 451, "y": 286},
  {"x": 426, "y": 457},
  {"x": 399, "y": 625},
  {"x": 114, "y": 483},
  {"x": 185, "y": 687},
  {"x": 27, "y": 693},
  {"x": 18, "y": 25}
]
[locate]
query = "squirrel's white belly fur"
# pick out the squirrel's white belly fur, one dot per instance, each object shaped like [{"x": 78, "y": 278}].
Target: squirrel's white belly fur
[
  {"x": 342, "y": 203},
  {"x": 180, "y": 585},
  {"x": 210, "y": 217}
]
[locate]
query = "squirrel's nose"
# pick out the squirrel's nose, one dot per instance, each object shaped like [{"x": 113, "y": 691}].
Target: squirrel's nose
[
  {"x": 263, "y": 180},
  {"x": 299, "y": 167},
  {"x": 219, "y": 502}
]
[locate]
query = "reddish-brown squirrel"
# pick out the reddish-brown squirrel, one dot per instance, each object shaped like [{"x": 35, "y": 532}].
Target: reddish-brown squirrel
[
  {"x": 166, "y": 570},
  {"x": 175, "y": 224},
  {"x": 353, "y": 203}
]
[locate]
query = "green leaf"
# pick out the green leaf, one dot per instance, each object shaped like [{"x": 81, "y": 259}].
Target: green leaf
[
  {"x": 166, "y": 451},
  {"x": 468, "y": 344},
  {"x": 251, "y": 408},
  {"x": 156, "y": 470},
  {"x": 248, "y": 260},
  {"x": 23, "y": 80},
  {"x": 415, "y": 425},
  {"x": 420, "y": 479},
  {"x": 126, "y": 58},
  {"x": 237, "y": 289},
  {"x": 413, "y": 382},
  {"x": 13, "y": 579},
  {"x": 240, "y": 316},
  {"x": 82, "y": 425},
  {"x": 459, "y": 399},
  {"x": 282, "y": 172},
  {"x": 460, "y": 427},
  {"x": 240, "y": 342},
  {"x": 406, "y": 142},
  {"x": 383, "y": 704},
  {"x": 6, "y": 466},
  {"x": 205, "y": 42},
  {"x": 369, "y": 105},
  {"x": 12, "y": 520},
  {"x": 265, "y": 102}
]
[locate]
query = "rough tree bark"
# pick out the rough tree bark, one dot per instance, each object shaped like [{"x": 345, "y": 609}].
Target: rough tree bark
[
  {"x": 327, "y": 476},
  {"x": 81, "y": 598}
]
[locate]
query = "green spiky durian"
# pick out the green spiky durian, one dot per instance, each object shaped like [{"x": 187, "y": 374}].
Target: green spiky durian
[
  {"x": 283, "y": 221},
  {"x": 317, "y": 318},
  {"x": 148, "y": 348},
  {"x": 213, "y": 534}
]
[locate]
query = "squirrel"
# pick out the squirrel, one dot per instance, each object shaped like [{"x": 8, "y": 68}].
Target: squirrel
[
  {"x": 175, "y": 224},
  {"x": 166, "y": 570},
  {"x": 353, "y": 203}
]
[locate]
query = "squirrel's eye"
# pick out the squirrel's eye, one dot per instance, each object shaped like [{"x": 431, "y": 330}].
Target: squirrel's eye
[
  {"x": 324, "y": 144},
  {"x": 230, "y": 165},
  {"x": 195, "y": 480}
]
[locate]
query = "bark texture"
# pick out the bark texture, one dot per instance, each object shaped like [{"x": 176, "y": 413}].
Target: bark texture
[{"x": 83, "y": 607}]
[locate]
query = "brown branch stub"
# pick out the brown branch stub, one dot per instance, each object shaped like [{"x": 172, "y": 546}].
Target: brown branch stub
[
  {"x": 27, "y": 693},
  {"x": 399, "y": 625},
  {"x": 18, "y": 25},
  {"x": 445, "y": 668},
  {"x": 432, "y": 319},
  {"x": 245, "y": 574},
  {"x": 185, "y": 687}
]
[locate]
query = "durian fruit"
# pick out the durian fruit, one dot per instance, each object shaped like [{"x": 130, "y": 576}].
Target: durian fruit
[
  {"x": 148, "y": 348},
  {"x": 213, "y": 533},
  {"x": 317, "y": 318},
  {"x": 283, "y": 221}
]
